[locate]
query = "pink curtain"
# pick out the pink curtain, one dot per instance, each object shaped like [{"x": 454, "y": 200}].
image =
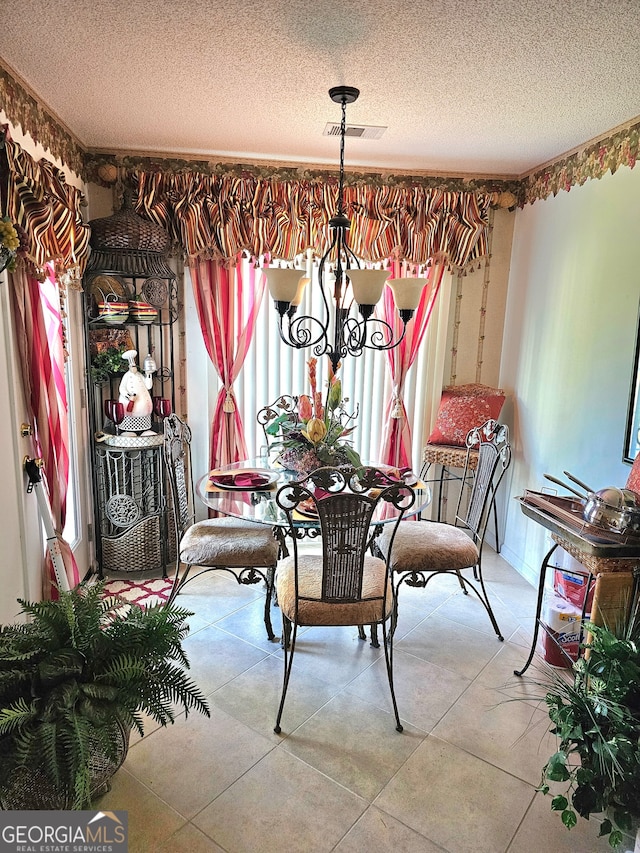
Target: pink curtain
[
  {"x": 396, "y": 438},
  {"x": 227, "y": 309},
  {"x": 38, "y": 323}
]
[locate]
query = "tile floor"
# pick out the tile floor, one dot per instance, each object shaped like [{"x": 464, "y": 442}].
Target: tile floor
[{"x": 461, "y": 777}]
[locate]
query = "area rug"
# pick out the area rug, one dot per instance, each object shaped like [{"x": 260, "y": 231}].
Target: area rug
[{"x": 144, "y": 593}]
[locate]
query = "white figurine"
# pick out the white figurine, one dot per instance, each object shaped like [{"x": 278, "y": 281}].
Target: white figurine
[{"x": 134, "y": 395}]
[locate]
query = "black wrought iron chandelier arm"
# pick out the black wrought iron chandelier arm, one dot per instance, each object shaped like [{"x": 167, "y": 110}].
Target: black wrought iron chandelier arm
[
  {"x": 298, "y": 333},
  {"x": 371, "y": 333}
]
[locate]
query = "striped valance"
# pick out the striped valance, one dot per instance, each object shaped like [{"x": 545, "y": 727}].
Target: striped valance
[
  {"x": 40, "y": 200},
  {"x": 220, "y": 216}
]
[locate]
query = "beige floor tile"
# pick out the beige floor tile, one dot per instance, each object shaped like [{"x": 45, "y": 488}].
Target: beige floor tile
[
  {"x": 543, "y": 829},
  {"x": 196, "y": 759},
  {"x": 333, "y": 655},
  {"x": 248, "y": 623},
  {"x": 511, "y": 735},
  {"x": 250, "y": 791},
  {"x": 253, "y": 697},
  {"x": 424, "y": 691},
  {"x": 151, "y": 821},
  {"x": 216, "y": 594},
  {"x": 518, "y": 595},
  {"x": 188, "y": 839},
  {"x": 456, "y": 800},
  {"x": 281, "y": 804},
  {"x": 216, "y": 657},
  {"x": 450, "y": 645},
  {"x": 499, "y": 675},
  {"x": 524, "y": 634},
  {"x": 377, "y": 832},
  {"x": 353, "y": 743},
  {"x": 468, "y": 610}
]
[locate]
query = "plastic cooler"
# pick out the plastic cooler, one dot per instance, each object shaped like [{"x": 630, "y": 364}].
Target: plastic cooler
[{"x": 563, "y": 621}]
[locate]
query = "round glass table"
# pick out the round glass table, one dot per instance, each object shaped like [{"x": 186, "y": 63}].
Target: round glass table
[{"x": 259, "y": 504}]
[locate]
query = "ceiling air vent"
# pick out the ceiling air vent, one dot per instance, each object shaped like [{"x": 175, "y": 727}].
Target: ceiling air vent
[{"x": 361, "y": 131}]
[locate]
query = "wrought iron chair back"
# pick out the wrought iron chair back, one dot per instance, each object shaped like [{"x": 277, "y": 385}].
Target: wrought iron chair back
[
  {"x": 177, "y": 457},
  {"x": 244, "y": 549},
  {"x": 491, "y": 441},
  {"x": 269, "y": 414},
  {"x": 354, "y": 587},
  {"x": 425, "y": 549}
]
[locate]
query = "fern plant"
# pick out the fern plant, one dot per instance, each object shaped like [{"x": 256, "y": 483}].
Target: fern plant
[{"x": 81, "y": 671}]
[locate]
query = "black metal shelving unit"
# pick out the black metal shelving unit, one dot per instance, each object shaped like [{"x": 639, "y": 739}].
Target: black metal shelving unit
[{"x": 131, "y": 528}]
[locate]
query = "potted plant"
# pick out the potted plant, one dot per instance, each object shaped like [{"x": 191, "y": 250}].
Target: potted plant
[
  {"x": 74, "y": 680},
  {"x": 596, "y": 717}
]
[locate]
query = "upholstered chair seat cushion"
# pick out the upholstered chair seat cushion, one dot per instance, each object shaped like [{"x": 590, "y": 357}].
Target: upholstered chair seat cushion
[
  {"x": 429, "y": 545},
  {"x": 240, "y": 543},
  {"x": 316, "y": 612}
]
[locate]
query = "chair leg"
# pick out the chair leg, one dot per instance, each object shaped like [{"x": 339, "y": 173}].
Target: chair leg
[
  {"x": 178, "y": 582},
  {"x": 288, "y": 661},
  {"x": 485, "y": 600},
  {"x": 461, "y": 582},
  {"x": 267, "y": 605},
  {"x": 495, "y": 524},
  {"x": 387, "y": 640}
]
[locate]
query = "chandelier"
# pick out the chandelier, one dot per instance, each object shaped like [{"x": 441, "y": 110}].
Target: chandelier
[{"x": 343, "y": 330}]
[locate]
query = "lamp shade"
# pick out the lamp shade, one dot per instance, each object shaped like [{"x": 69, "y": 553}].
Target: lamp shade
[
  {"x": 406, "y": 292},
  {"x": 367, "y": 285},
  {"x": 303, "y": 281},
  {"x": 283, "y": 283}
]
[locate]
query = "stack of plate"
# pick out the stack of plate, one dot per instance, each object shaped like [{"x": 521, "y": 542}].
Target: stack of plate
[
  {"x": 142, "y": 312},
  {"x": 113, "y": 313}
]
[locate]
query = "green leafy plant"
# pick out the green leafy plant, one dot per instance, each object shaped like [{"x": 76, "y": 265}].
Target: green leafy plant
[
  {"x": 105, "y": 363},
  {"x": 82, "y": 670},
  {"x": 596, "y": 718}
]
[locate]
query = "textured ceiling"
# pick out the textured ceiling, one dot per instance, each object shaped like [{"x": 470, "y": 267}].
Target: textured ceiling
[{"x": 490, "y": 87}]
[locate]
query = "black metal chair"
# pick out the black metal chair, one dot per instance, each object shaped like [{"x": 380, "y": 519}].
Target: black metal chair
[
  {"x": 345, "y": 584},
  {"x": 423, "y": 549},
  {"x": 267, "y": 415},
  {"x": 245, "y": 549}
]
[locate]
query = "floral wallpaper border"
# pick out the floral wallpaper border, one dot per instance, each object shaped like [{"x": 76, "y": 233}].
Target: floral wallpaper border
[
  {"x": 619, "y": 148},
  {"x": 23, "y": 109},
  {"x": 594, "y": 161},
  {"x": 103, "y": 169}
]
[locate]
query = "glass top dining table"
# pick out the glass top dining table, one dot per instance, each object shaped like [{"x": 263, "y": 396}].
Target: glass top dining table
[{"x": 259, "y": 504}]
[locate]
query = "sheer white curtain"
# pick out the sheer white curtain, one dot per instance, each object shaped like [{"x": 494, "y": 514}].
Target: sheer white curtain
[{"x": 272, "y": 368}]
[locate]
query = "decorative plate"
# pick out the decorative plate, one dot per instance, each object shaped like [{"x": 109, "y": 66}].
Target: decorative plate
[
  {"x": 263, "y": 479},
  {"x": 103, "y": 286},
  {"x": 155, "y": 291}
]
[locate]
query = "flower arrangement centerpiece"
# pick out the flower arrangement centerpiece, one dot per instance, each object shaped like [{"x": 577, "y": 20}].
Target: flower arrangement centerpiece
[{"x": 316, "y": 434}]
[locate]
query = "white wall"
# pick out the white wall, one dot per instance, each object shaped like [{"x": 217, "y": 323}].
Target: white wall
[{"x": 567, "y": 358}]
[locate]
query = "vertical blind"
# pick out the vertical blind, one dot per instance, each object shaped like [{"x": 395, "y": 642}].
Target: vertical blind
[{"x": 272, "y": 368}]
